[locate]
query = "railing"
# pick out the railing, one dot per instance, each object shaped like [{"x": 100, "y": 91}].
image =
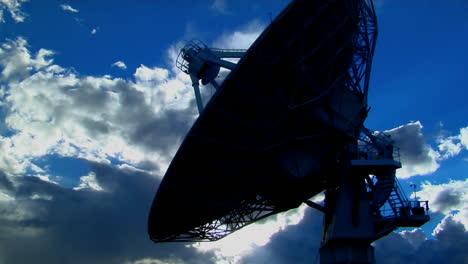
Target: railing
[
  {"x": 181, "y": 62},
  {"x": 367, "y": 149},
  {"x": 228, "y": 50},
  {"x": 413, "y": 208},
  {"x": 419, "y": 204}
]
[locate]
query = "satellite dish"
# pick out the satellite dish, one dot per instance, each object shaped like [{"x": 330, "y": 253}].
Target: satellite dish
[{"x": 285, "y": 125}]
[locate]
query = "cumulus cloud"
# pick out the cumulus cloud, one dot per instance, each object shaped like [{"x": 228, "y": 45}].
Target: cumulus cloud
[
  {"x": 449, "y": 245},
  {"x": 14, "y": 8},
  {"x": 94, "y": 31},
  {"x": 417, "y": 157},
  {"x": 69, "y": 8},
  {"x": 120, "y": 65},
  {"x": 447, "y": 198},
  {"x": 89, "y": 182},
  {"x": 53, "y": 110},
  {"x": 415, "y": 237},
  {"x": 452, "y": 146},
  {"x": 17, "y": 62}
]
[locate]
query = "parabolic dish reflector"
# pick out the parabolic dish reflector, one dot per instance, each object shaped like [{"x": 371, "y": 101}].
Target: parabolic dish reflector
[{"x": 270, "y": 137}]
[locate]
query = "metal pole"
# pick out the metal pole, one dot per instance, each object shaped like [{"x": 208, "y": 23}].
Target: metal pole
[{"x": 196, "y": 88}]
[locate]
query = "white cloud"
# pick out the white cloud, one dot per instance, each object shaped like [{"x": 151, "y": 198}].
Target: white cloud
[
  {"x": 464, "y": 136},
  {"x": 94, "y": 31},
  {"x": 453, "y": 230},
  {"x": 54, "y": 111},
  {"x": 68, "y": 7},
  {"x": 452, "y": 146},
  {"x": 240, "y": 39},
  {"x": 17, "y": 61},
  {"x": 417, "y": 157},
  {"x": 89, "y": 182},
  {"x": 156, "y": 75},
  {"x": 120, "y": 65},
  {"x": 14, "y": 8}
]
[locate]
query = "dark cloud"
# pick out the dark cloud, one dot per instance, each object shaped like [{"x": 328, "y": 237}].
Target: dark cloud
[
  {"x": 300, "y": 244},
  {"x": 5, "y": 183},
  {"x": 449, "y": 198},
  {"x": 415, "y": 237},
  {"x": 161, "y": 133},
  {"x": 86, "y": 226},
  {"x": 449, "y": 246},
  {"x": 295, "y": 244}
]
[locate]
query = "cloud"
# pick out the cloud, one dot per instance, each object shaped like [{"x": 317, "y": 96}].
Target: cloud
[
  {"x": 452, "y": 146},
  {"x": 417, "y": 157},
  {"x": 14, "y": 8},
  {"x": 86, "y": 226},
  {"x": 68, "y": 8},
  {"x": 120, "y": 65},
  {"x": 53, "y": 110},
  {"x": 219, "y": 6},
  {"x": 17, "y": 62},
  {"x": 89, "y": 182},
  {"x": 447, "y": 198},
  {"x": 94, "y": 31},
  {"x": 415, "y": 237},
  {"x": 242, "y": 38},
  {"x": 449, "y": 245}
]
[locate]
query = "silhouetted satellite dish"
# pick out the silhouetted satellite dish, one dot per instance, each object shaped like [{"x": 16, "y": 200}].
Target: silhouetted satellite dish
[{"x": 285, "y": 125}]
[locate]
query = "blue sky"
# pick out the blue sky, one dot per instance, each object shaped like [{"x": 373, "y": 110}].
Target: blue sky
[{"x": 92, "y": 109}]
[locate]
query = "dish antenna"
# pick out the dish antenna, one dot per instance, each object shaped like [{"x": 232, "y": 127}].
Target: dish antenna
[{"x": 285, "y": 125}]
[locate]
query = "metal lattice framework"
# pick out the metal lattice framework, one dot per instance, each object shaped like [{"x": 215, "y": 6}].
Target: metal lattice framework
[
  {"x": 364, "y": 43},
  {"x": 246, "y": 213}
]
